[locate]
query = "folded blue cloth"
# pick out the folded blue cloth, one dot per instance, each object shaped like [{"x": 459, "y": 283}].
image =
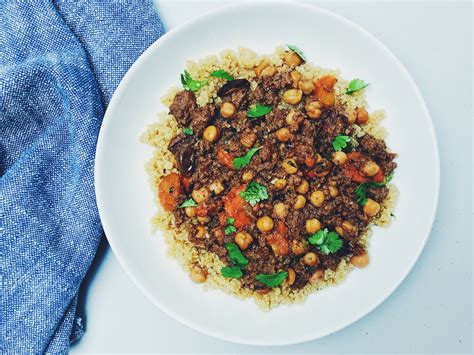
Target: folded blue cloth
[{"x": 60, "y": 62}]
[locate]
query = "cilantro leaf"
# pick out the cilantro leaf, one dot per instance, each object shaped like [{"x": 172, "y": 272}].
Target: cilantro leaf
[
  {"x": 230, "y": 220},
  {"x": 361, "y": 191},
  {"x": 241, "y": 162},
  {"x": 272, "y": 280},
  {"x": 327, "y": 242},
  {"x": 188, "y": 131},
  {"x": 254, "y": 192},
  {"x": 236, "y": 255},
  {"x": 233, "y": 272},
  {"x": 258, "y": 110},
  {"x": 188, "y": 203},
  {"x": 340, "y": 142},
  {"x": 229, "y": 230},
  {"x": 190, "y": 84},
  {"x": 355, "y": 85},
  {"x": 297, "y": 51},
  {"x": 221, "y": 73}
]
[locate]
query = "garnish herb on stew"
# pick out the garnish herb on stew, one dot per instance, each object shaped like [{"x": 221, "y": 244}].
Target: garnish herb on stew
[
  {"x": 188, "y": 131},
  {"x": 272, "y": 280},
  {"x": 230, "y": 226},
  {"x": 190, "y": 84},
  {"x": 361, "y": 191},
  {"x": 356, "y": 85},
  {"x": 241, "y": 162},
  {"x": 258, "y": 110},
  {"x": 236, "y": 256},
  {"x": 188, "y": 203},
  {"x": 297, "y": 51},
  {"x": 327, "y": 242},
  {"x": 233, "y": 272},
  {"x": 221, "y": 73},
  {"x": 254, "y": 193},
  {"x": 340, "y": 142}
]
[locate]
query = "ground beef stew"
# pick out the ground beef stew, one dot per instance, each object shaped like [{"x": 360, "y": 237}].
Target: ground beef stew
[{"x": 277, "y": 181}]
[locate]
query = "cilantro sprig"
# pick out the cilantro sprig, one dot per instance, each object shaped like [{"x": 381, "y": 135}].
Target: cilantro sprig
[
  {"x": 243, "y": 161},
  {"x": 188, "y": 203},
  {"x": 233, "y": 272},
  {"x": 356, "y": 85},
  {"x": 327, "y": 242},
  {"x": 221, "y": 73},
  {"x": 190, "y": 84},
  {"x": 272, "y": 280},
  {"x": 188, "y": 131},
  {"x": 258, "y": 110},
  {"x": 254, "y": 193},
  {"x": 297, "y": 51},
  {"x": 230, "y": 226},
  {"x": 340, "y": 142},
  {"x": 361, "y": 191},
  {"x": 238, "y": 259}
]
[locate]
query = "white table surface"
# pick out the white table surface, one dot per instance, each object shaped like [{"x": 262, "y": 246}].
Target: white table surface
[{"x": 432, "y": 310}]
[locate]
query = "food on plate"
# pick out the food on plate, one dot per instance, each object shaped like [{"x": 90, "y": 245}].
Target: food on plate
[{"x": 269, "y": 172}]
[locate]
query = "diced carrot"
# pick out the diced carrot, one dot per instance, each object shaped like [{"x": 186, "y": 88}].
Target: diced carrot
[
  {"x": 379, "y": 177},
  {"x": 186, "y": 181},
  {"x": 169, "y": 191},
  {"x": 323, "y": 90},
  {"x": 278, "y": 240},
  {"x": 225, "y": 158},
  {"x": 350, "y": 170},
  {"x": 234, "y": 206}
]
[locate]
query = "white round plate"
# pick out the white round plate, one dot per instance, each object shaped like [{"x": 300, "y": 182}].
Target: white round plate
[{"x": 126, "y": 202}]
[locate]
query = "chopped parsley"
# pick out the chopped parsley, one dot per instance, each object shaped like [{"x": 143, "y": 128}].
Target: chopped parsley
[
  {"x": 222, "y": 74},
  {"x": 340, "y": 142},
  {"x": 297, "y": 51},
  {"x": 258, "y": 110},
  {"x": 230, "y": 226},
  {"x": 236, "y": 256},
  {"x": 188, "y": 203},
  {"x": 233, "y": 272},
  {"x": 272, "y": 280},
  {"x": 361, "y": 191},
  {"x": 356, "y": 85},
  {"x": 254, "y": 192},
  {"x": 241, "y": 162},
  {"x": 188, "y": 131},
  {"x": 327, "y": 242},
  {"x": 190, "y": 84}
]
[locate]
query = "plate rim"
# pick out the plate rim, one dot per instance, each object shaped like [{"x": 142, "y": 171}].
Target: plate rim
[{"x": 107, "y": 121}]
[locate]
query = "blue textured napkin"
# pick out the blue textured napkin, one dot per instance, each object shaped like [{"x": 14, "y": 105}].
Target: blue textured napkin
[{"x": 60, "y": 62}]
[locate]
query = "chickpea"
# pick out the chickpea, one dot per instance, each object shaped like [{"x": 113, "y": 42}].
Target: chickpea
[
  {"x": 339, "y": 158},
  {"x": 265, "y": 224},
  {"x": 291, "y": 276},
  {"x": 216, "y": 187},
  {"x": 313, "y": 109},
  {"x": 306, "y": 86},
  {"x": 258, "y": 70},
  {"x": 371, "y": 208},
  {"x": 211, "y": 133},
  {"x": 247, "y": 176},
  {"x": 248, "y": 139},
  {"x": 198, "y": 274},
  {"x": 243, "y": 240},
  {"x": 289, "y": 165},
  {"x": 300, "y": 202},
  {"x": 268, "y": 71},
  {"x": 204, "y": 219},
  {"x": 370, "y": 168},
  {"x": 295, "y": 76},
  {"x": 351, "y": 116},
  {"x": 263, "y": 291},
  {"x": 293, "y": 119},
  {"x": 201, "y": 232},
  {"x": 190, "y": 212},
  {"x": 280, "y": 210},
  {"x": 200, "y": 195},
  {"x": 292, "y": 59},
  {"x": 298, "y": 247},
  {"x": 303, "y": 187},
  {"x": 283, "y": 134},
  {"x": 292, "y": 96},
  {"x": 311, "y": 259},
  {"x": 317, "y": 275},
  {"x": 333, "y": 191},
  {"x": 228, "y": 110},
  {"x": 362, "y": 116},
  {"x": 313, "y": 225},
  {"x": 339, "y": 230},
  {"x": 279, "y": 183},
  {"x": 349, "y": 227},
  {"x": 360, "y": 261},
  {"x": 317, "y": 198}
]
